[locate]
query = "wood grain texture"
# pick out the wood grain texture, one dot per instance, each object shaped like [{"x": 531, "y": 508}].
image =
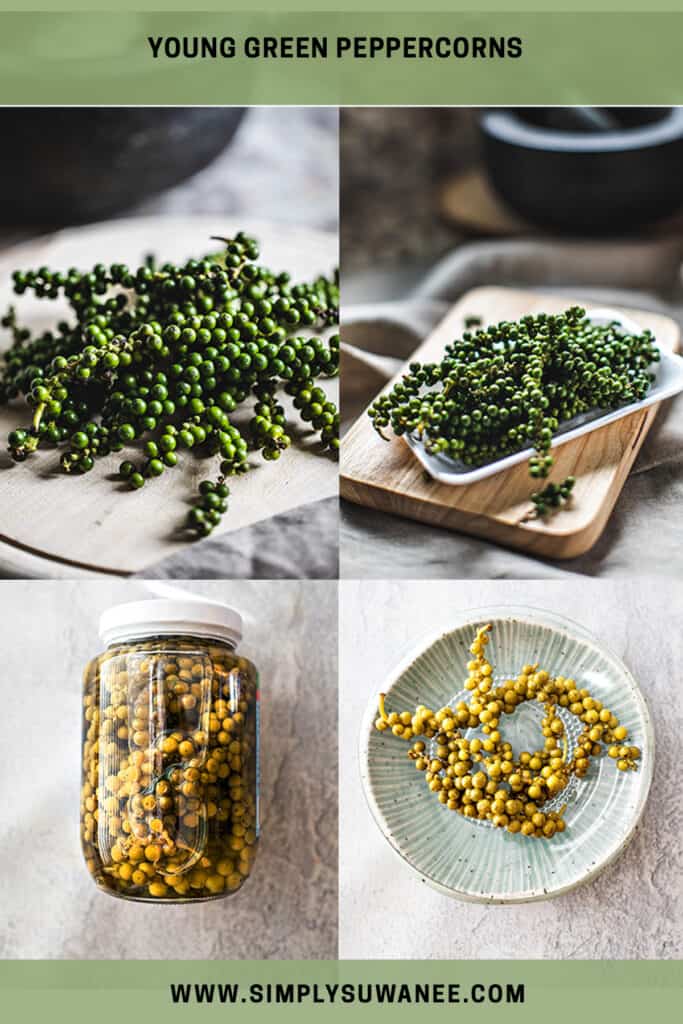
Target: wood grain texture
[
  {"x": 388, "y": 477},
  {"x": 470, "y": 202},
  {"x": 88, "y": 522}
]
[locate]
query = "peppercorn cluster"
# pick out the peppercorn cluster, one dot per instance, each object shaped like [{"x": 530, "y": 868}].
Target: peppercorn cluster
[
  {"x": 164, "y": 356},
  {"x": 509, "y": 386},
  {"x": 168, "y": 798},
  {"x": 480, "y": 777}
]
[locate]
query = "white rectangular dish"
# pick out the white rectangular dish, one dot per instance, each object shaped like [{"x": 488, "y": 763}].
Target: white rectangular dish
[{"x": 668, "y": 382}]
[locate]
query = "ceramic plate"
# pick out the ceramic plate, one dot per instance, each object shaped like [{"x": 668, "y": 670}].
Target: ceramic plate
[
  {"x": 668, "y": 382},
  {"x": 474, "y": 860}
]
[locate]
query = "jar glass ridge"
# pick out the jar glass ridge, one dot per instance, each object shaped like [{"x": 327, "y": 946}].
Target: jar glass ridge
[{"x": 170, "y": 768}]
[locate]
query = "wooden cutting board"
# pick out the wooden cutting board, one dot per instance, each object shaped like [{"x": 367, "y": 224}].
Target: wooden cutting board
[
  {"x": 388, "y": 477},
  {"x": 89, "y": 522}
]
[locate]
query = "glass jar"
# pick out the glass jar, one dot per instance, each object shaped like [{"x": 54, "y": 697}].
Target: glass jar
[{"x": 169, "y": 797}]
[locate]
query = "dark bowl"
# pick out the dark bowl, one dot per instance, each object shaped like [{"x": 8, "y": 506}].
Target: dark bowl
[
  {"x": 590, "y": 181},
  {"x": 74, "y": 164}
]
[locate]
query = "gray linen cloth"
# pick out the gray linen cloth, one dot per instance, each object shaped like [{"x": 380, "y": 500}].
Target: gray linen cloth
[
  {"x": 643, "y": 534},
  {"x": 300, "y": 544}
]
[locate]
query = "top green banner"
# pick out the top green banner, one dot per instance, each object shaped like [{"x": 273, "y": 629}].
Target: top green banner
[
  {"x": 162, "y": 58},
  {"x": 344, "y": 6}
]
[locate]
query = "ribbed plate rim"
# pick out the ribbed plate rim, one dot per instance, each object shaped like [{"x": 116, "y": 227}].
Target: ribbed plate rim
[{"x": 524, "y": 615}]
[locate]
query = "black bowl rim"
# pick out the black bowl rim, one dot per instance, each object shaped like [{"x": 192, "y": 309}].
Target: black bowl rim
[{"x": 507, "y": 127}]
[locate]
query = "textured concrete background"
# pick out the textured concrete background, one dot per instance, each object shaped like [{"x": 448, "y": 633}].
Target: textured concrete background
[
  {"x": 49, "y": 907},
  {"x": 392, "y": 219},
  {"x": 634, "y": 910}
]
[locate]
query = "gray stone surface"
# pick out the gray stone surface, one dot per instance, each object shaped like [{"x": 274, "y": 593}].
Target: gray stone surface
[
  {"x": 50, "y": 907},
  {"x": 634, "y": 910},
  {"x": 282, "y": 166}
]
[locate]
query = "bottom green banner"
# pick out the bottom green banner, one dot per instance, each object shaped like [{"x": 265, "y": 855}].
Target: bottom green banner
[{"x": 482, "y": 991}]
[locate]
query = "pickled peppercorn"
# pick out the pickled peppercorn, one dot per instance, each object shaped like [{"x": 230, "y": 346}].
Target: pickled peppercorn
[
  {"x": 480, "y": 777},
  {"x": 170, "y": 762}
]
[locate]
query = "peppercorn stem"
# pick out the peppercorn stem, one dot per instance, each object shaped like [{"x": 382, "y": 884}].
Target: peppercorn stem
[{"x": 38, "y": 415}]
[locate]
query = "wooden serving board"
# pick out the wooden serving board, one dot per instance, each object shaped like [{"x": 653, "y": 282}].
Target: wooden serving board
[
  {"x": 89, "y": 522},
  {"x": 388, "y": 477},
  {"x": 470, "y": 202}
]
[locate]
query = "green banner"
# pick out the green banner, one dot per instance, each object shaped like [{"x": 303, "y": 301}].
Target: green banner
[
  {"x": 345, "y": 6},
  {"x": 485, "y": 991},
  {"x": 417, "y": 59}
]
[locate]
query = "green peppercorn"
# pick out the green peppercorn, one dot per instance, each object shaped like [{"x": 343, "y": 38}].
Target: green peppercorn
[
  {"x": 510, "y": 386},
  {"x": 169, "y": 361}
]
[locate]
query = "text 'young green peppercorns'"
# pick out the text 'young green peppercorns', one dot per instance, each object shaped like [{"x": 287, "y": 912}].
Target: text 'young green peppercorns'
[
  {"x": 507, "y": 387},
  {"x": 164, "y": 356}
]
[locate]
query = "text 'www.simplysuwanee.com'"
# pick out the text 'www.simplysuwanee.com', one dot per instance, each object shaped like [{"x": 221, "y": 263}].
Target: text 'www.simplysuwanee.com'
[{"x": 283, "y": 993}]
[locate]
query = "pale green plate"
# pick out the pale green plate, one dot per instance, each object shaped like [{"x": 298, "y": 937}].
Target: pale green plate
[{"x": 473, "y": 860}]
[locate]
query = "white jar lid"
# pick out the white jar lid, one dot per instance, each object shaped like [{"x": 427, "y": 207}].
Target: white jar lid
[{"x": 161, "y": 617}]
